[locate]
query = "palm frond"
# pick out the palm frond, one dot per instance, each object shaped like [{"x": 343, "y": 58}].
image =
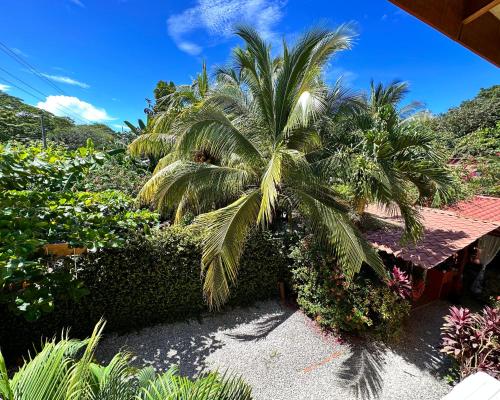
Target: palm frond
[
  {"x": 226, "y": 230},
  {"x": 339, "y": 235}
]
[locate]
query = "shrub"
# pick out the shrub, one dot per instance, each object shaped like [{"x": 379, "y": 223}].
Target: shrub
[
  {"x": 150, "y": 280},
  {"x": 39, "y": 205},
  {"x": 473, "y": 340},
  {"x": 364, "y": 305},
  {"x": 117, "y": 172},
  {"x": 30, "y": 219},
  {"x": 48, "y": 170}
]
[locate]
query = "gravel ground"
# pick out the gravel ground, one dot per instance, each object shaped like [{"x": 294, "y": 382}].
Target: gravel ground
[{"x": 282, "y": 355}]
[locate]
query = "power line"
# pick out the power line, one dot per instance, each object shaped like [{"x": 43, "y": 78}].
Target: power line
[
  {"x": 23, "y": 82},
  {"x": 22, "y": 61},
  {"x": 60, "y": 106},
  {"x": 10, "y": 83}
]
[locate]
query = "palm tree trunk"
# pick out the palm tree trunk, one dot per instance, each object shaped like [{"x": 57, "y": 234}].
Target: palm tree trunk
[{"x": 359, "y": 206}]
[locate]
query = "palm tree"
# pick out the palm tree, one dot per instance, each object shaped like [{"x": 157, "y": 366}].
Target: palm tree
[
  {"x": 385, "y": 156},
  {"x": 255, "y": 128},
  {"x": 59, "y": 372},
  {"x": 157, "y": 139}
]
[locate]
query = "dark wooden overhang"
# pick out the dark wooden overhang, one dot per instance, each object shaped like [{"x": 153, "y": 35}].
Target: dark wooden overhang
[{"x": 473, "y": 23}]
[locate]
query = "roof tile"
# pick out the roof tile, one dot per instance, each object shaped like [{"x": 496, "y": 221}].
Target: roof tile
[{"x": 445, "y": 233}]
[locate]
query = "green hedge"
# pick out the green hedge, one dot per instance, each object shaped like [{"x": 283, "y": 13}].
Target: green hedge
[{"x": 151, "y": 280}]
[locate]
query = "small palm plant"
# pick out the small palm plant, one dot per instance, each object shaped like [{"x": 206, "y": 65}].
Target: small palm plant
[
  {"x": 385, "y": 156},
  {"x": 64, "y": 370},
  {"x": 243, "y": 151}
]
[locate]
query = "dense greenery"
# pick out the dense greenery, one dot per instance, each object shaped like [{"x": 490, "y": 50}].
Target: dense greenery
[
  {"x": 117, "y": 172},
  {"x": 152, "y": 279},
  {"x": 364, "y": 305},
  {"x": 481, "y": 112},
  {"x": 66, "y": 370},
  {"x": 268, "y": 139},
  {"x": 76, "y": 136},
  {"x": 20, "y": 121},
  {"x": 39, "y": 206},
  {"x": 379, "y": 152}
]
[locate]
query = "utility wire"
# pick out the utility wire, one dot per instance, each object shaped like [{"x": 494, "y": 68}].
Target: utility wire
[
  {"x": 60, "y": 106},
  {"x": 22, "y": 61},
  {"x": 10, "y": 83}
]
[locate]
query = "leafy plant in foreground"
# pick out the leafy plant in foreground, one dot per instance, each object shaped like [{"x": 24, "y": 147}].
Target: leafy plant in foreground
[{"x": 65, "y": 370}]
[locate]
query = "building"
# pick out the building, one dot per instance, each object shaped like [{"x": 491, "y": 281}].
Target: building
[
  {"x": 449, "y": 242},
  {"x": 474, "y": 24}
]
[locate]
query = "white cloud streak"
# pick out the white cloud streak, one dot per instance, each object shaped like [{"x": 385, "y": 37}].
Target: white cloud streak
[
  {"x": 4, "y": 88},
  {"x": 69, "y": 106},
  {"x": 67, "y": 80},
  {"x": 78, "y": 3},
  {"x": 217, "y": 18}
]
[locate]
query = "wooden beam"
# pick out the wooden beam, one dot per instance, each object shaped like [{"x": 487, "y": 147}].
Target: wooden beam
[{"x": 483, "y": 10}]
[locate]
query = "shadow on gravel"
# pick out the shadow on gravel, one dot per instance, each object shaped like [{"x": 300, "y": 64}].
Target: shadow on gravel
[
  {"x": 262, "y": 328},
  {"x": 421, "y": 341},
  {"x": 190, "y": 344},
  {"x": 362, "y": 371}
]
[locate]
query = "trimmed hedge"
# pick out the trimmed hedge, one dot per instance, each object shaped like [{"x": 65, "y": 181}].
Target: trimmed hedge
[{"x": 151, "y": 280}]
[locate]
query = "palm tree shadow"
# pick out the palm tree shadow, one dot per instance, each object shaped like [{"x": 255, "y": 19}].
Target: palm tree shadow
[
  {"x": 261, "y": 328},
  {"x": 190, "y": 344},
  {"x": 362, "y": 372}
]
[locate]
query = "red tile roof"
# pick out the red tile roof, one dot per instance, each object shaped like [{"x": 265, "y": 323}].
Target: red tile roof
[
  {"x": 445, "y": 233},
  {"x": 480, "y": 207}
]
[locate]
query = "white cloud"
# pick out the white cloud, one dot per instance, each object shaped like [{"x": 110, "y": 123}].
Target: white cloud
[
  {"x": 69, "y": 106},
  {"x": 217, "y": 18},
  {"x": 78, "y": 3},
  {"x": 4, "y": 88},
  {"x": 67, "y": 80}
]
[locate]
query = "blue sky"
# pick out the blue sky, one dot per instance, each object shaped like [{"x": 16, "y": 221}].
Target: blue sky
[{"x": 107, "y": 55}]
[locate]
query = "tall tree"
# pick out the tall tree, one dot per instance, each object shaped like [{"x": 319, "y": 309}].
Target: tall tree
[{"x": 243, "y": 149}]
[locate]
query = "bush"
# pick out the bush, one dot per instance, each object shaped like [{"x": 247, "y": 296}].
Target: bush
[
  {"x": 31, "y": 219},
  {"x": 39, "y": 205},
  {"x": 473, "y": 340},
  {"x": 151, "y": 280},
  {"x": 362, "y": 306},
  {"x": 117, "y": 172}
]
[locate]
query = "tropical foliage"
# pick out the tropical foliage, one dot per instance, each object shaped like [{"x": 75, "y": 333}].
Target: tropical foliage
[
  {"x": 473, "y": 340},
  {"x": 380, "y": 153},
  {"x": 471, "y": 115},
  {"x": 65, "y": 370},
  {"x": 244, "y": 149},
  {"x": 38, "y": 206},
  {"x": 363, "y": 306},
  {"x": 155, "y": 139}
]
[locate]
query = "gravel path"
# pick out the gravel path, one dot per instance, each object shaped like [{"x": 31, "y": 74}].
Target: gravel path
[{"x": 282, "y": 355}]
